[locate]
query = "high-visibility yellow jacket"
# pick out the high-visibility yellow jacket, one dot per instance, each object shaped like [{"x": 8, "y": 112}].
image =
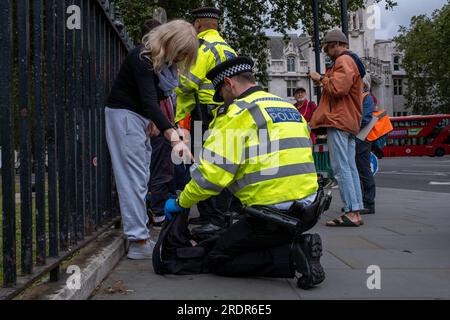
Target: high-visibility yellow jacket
[
  {"x": 213, "y": 50},
  {"x": 259, "y": 148}
]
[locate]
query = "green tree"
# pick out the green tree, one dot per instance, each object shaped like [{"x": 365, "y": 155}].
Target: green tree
[
  {"x": 245, "y": 22},
  {"x": 425, "y": 45}
]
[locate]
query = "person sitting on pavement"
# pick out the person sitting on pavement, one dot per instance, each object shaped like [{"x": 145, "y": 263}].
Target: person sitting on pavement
[{"x": 259, "y": 148}]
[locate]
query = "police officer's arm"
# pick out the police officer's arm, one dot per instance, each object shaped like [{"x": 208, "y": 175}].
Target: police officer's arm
[{"x": 220, "y": 160}]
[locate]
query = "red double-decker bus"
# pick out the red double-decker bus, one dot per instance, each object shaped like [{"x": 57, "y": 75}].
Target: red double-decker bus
[{"x": 419, "y": 136}]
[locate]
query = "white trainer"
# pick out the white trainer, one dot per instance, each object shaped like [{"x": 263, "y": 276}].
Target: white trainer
[{"x": 141, "y": 251}]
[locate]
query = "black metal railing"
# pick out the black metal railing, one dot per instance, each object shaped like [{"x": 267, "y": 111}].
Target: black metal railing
[{"x": 57, "y": 62}]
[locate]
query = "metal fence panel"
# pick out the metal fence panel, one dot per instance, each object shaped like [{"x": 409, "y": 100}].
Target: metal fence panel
[{"x": 56, "y": 74}]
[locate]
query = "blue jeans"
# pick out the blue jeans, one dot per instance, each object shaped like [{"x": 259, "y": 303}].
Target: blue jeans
[{"x": 341, "y": 146}]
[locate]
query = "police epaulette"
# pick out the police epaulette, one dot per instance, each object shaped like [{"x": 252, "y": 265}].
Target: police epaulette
[{"x": 223, "y": 109}]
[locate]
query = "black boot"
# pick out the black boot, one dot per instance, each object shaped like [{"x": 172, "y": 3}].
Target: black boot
[{"x": 306, "y": 252}]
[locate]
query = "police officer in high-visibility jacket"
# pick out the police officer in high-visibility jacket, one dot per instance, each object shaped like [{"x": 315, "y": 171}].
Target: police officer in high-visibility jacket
[
  {"x": 260, "y": 149},
  {"x": 195, "y": 89},
  {"x": 195, "y": 97}
]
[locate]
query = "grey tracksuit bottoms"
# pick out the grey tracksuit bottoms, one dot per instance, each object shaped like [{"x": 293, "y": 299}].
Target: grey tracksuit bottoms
[{"x": 130, "y": 151}]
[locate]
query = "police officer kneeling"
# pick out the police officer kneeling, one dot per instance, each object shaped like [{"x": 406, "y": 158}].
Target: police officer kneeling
[{"x": 260, "y": 149}]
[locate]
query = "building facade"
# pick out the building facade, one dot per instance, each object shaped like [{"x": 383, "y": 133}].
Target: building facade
[{"x": 291, "y": 61}]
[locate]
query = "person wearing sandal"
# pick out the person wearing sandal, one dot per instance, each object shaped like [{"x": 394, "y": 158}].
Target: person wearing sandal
[{"x": 339, "y": 112}]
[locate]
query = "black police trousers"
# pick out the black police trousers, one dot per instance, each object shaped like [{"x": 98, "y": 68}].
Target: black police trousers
[{"x": 252, "y": 247}]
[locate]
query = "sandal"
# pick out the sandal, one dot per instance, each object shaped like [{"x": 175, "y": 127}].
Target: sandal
[{"x": 344, "y": 222}]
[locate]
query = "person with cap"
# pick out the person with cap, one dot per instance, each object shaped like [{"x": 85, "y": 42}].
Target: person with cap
[
  {"x": 304, "y": 106},
  {"x": 259, "y": 148},
  {"x": 339, "y": 113},
  {"x": 195, "y": 98}
]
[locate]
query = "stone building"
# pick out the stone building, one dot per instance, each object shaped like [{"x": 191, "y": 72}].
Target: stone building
[{"x": 291, "y": 61}]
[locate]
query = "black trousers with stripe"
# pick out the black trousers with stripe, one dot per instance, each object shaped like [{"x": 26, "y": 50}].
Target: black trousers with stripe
[{"x": 254, "y": 248}]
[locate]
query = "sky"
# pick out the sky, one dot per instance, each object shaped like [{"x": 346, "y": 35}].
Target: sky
[
  {"x": 391, "y": 20},
  {"x": 402, "y": 14}
]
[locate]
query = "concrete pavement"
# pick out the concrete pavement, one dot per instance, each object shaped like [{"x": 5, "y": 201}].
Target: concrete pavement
[{"x": 408, "y": 239}]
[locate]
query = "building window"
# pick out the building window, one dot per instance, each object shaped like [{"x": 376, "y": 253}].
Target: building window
[
  {"x": 290, "y": 64},
  {"x": 304, "y": 66},
  {"x": 398, "y": 87},
  {"x": 291, "y": 86},
  {"x": 396, "y": 63}
]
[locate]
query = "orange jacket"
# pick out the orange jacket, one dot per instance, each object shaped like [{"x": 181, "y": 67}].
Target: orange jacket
[{"x": 340, "y": 105}]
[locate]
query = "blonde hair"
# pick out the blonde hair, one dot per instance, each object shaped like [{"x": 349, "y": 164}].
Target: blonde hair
[{"x": 168, "y": 42}]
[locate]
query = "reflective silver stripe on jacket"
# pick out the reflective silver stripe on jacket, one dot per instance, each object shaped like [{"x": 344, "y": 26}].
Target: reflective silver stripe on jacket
[
  {"x": 272, "y": 173},
  {"x": 204, "y": 183}
]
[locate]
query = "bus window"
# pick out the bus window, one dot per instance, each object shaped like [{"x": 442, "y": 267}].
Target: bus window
[
  {"x": 421, "y": 141},
  {"x": 448, "y": 140},
  {"x": 443, "y": 123},
  {"x": 401, "y": 123}
]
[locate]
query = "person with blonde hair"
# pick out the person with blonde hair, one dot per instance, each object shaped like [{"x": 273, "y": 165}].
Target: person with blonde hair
[{"x": 147, "y": 75}]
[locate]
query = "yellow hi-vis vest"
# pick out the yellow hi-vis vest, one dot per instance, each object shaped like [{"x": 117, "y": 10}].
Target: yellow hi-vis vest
[
  {"x": 213, "y": 50},
  {"x": 259, "y": 148}
]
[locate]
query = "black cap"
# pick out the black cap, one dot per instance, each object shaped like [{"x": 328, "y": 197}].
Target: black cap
[
  {"x": 299, "y": 89},
  {"x": 206, "y": 12},
  {"x": 229, "y": 68}
]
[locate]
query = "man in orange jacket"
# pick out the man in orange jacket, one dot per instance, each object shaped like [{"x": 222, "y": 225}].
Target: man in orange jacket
[{"x": 339, "y": 112}]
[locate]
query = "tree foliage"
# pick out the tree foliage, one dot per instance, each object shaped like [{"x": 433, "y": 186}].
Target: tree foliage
[
  {"x": 245, "y": 22},
  {"x": 425, "y": 44}
]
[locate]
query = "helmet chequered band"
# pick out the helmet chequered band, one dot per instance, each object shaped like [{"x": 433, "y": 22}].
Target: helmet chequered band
[
  {"x": 207, "y": 15},
  {"x": 231, "y": 72}
]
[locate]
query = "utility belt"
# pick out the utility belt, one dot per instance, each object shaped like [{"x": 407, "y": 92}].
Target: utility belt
[
  {"x": 202, "y": 112},
  {"x": 298, "y": 216}
]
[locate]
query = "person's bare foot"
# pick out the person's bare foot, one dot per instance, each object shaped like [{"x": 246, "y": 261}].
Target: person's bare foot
[{"x": 350, "y": 219}]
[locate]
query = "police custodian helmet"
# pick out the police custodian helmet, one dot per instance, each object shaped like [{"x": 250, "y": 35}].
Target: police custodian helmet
[
  {"x": 206, "y": 13},
  {"x": 228, "y": 69}
]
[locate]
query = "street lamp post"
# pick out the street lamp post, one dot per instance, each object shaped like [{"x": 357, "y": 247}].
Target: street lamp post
[
  {"x": 344, "y": 17},
  {"x": 315, "y": 5}
]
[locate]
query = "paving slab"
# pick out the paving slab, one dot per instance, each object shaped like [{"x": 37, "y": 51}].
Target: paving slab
[
  {"x": 144, "y": 284},
  {"x": 395, "y": 284},
  {"x": 406, "y": 239}
]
